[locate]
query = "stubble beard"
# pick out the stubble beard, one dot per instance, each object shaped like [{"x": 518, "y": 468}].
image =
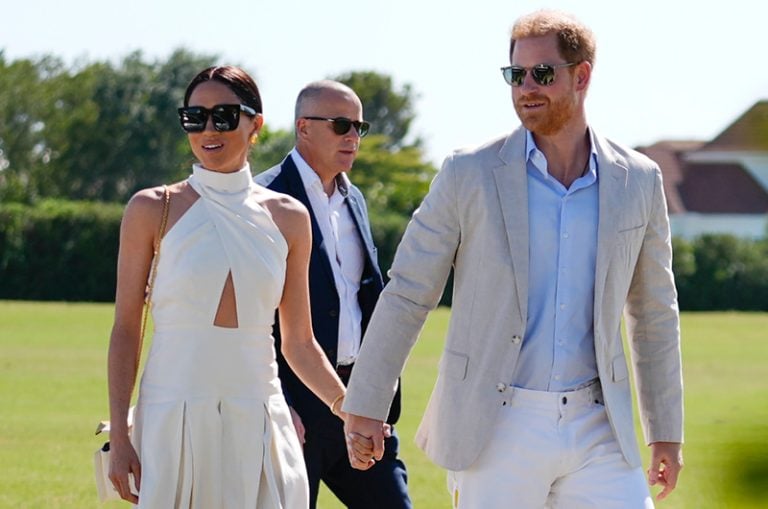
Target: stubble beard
[{"x": 549, "y": 122}]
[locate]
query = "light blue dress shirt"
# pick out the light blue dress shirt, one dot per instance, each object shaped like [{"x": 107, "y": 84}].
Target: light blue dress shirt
[{"x": 558, "y": 352}]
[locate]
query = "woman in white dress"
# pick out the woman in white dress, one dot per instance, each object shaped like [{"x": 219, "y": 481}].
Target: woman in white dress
[{"x": 212, "y": 429}]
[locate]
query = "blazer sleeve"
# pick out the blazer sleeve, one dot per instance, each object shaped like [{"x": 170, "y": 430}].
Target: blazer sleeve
[
  {"x": 653, "y": 328},
  {"x": 417, "y": 278}
]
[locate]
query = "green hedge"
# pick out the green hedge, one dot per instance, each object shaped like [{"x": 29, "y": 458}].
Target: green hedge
[
  {"x": 59, "y": 250},
  {"x": 721, "y": 272},
  {"x": 65, "y": 250}
]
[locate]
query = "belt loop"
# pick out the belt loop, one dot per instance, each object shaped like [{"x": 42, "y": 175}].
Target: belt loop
[
  {"x": 344, "y": 371},
  {"x": 596, "y": 393}
]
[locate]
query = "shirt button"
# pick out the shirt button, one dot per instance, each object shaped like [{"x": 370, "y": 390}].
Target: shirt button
[
  {"x": 501, "y": 387},
  {"x": 557, "y": 377},
  {"x": 565, "y": 235},
  {"x": 516, "y": 339}
]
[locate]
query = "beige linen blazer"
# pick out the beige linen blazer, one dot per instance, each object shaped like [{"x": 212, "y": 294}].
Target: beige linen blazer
[{"x": 475, "y": 219}]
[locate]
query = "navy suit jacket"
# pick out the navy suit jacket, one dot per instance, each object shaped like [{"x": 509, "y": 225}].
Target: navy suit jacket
[{"x": 285, "y": 178}]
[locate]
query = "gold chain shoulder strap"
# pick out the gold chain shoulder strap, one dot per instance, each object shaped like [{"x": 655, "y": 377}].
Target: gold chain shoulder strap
[{"x": 153, "y": 271}]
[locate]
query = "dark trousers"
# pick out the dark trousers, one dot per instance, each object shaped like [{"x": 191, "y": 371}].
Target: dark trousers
[{"x": 383, "y": 486}]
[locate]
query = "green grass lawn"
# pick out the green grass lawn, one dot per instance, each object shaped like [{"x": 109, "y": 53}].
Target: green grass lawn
[{"x": 53, "y": 392}]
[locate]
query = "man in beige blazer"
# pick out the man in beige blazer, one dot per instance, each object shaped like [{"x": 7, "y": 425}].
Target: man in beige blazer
[{"x": 552, "y": 232}]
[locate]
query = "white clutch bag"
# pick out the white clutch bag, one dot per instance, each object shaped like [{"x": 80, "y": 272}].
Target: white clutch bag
[{"x": 104, "y": 487}]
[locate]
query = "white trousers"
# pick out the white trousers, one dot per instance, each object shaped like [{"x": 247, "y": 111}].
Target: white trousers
[{"x": 551, "y": 450}]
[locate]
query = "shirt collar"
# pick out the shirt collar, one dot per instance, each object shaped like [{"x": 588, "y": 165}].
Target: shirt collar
[
  {"x": 536, "y": 157},
  {"x": 311, "y": 180}
]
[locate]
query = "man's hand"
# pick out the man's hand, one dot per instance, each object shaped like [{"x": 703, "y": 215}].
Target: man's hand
[
  {"x": 666, "y": 463},
  {"x": 365, "y": 440}
]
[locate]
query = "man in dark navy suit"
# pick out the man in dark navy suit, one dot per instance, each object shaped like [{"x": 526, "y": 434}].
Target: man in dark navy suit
[{"x": 344, "y": 284}]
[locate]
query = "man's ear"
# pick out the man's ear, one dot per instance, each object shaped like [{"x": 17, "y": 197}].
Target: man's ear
[
  {"x": 583, "y": 75},
  {"x": 301, "y": 127}
]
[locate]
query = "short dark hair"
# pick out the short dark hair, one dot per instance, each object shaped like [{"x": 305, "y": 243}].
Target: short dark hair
[{"x": 239, "y": 81}]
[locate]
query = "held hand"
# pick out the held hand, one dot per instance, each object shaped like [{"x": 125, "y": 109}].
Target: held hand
[
  {"x": 298, "y": 424},
  {"x": 666, "y": 463},
  {"x": 365, "y": 440},
  {"x": 361, "y": 447},
  {"x": 124, "y": 461}
]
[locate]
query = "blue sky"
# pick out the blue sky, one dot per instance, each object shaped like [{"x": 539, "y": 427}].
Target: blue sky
[{"x": 666, "y": 69}]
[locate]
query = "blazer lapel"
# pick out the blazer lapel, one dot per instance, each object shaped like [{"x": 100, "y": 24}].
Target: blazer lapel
[
  {"x": 612, "y": 180},
  {"x": 362, "y": 226},
  {"x": 512, "y": 188},
  {"x": 295, "y": 187},
  {"x": 363, "y": 229}
]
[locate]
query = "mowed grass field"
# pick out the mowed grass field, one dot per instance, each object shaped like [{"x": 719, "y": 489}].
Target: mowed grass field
[{"x": 53, "y": 393}]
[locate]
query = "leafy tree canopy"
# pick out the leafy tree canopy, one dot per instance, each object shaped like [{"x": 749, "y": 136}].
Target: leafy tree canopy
[{"x": 389, "y": 110}]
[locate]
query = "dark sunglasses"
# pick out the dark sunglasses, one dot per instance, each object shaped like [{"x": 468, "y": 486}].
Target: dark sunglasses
[
  {"x": 342, "y": 125},
  {"x": 226, "y": 117},
  {"x": 543, "y": 74}
]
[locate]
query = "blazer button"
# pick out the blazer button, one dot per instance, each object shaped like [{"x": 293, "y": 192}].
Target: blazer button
[
  {"x": 333, "y": 313},
  {"x": 516, "y": 339},
  {"x": 501, "y": 387}
]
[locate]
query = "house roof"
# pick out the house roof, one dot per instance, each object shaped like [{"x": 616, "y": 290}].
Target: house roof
[
  {"x": 722, "y": 176},
  {"x": 721, "y": 188},
  {"x": 669, "y": 156},
  {"x": 749, "y": 132}
]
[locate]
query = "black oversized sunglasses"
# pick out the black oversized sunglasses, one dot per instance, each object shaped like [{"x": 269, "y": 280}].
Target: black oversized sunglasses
[
  {"x": 543, "y": 74},
  {"x": 226, "y": 117},
  {"x": 342, "y": 125}
]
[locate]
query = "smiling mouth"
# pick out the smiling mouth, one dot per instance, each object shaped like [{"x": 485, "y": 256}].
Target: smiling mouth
[
  {"x": 212, "y": 146},
  {"x": 531, "y": 102}
]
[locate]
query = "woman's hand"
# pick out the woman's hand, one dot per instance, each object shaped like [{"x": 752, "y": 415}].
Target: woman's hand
[
  {"x": 298, "y": 424},
  {"x": 123, "y": 462}
]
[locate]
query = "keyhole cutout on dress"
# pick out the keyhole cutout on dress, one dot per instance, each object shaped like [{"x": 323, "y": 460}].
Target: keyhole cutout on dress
[{"x": 226, "y": 314}]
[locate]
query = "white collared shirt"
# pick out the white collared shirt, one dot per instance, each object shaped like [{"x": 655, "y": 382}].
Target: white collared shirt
[{"x": 344, "y": 248}]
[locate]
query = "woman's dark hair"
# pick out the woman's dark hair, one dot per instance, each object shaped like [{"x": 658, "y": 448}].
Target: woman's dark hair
[{"x": 235, "y": 78}]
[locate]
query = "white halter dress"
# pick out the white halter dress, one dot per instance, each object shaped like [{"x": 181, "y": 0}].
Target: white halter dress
[{"x": 212, "y": 428}]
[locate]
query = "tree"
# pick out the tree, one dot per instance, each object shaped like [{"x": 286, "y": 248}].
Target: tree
[
  {"x": 22, "y": 110},
  {"x": 389, "y": 111},
  {"x": 392, "y": 181},
  {"x": 271, "y": 148},
  {"x": 98, "y": 132},
  {"x": 114, "y": 130},
  {"x": 391, "y": 172}
]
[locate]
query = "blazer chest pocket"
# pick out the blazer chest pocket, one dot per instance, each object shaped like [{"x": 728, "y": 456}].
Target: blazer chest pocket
[
  {"x": 631, "y": 233},
  {"x": 628, "y": 245},
  {"x": 454, "y": 365}
]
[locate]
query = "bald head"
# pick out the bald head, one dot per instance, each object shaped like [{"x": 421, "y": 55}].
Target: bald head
[{"x": 318, "y": 91}]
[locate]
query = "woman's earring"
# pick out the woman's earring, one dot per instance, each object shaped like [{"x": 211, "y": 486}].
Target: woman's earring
[{"x": 254, "y": 138}]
